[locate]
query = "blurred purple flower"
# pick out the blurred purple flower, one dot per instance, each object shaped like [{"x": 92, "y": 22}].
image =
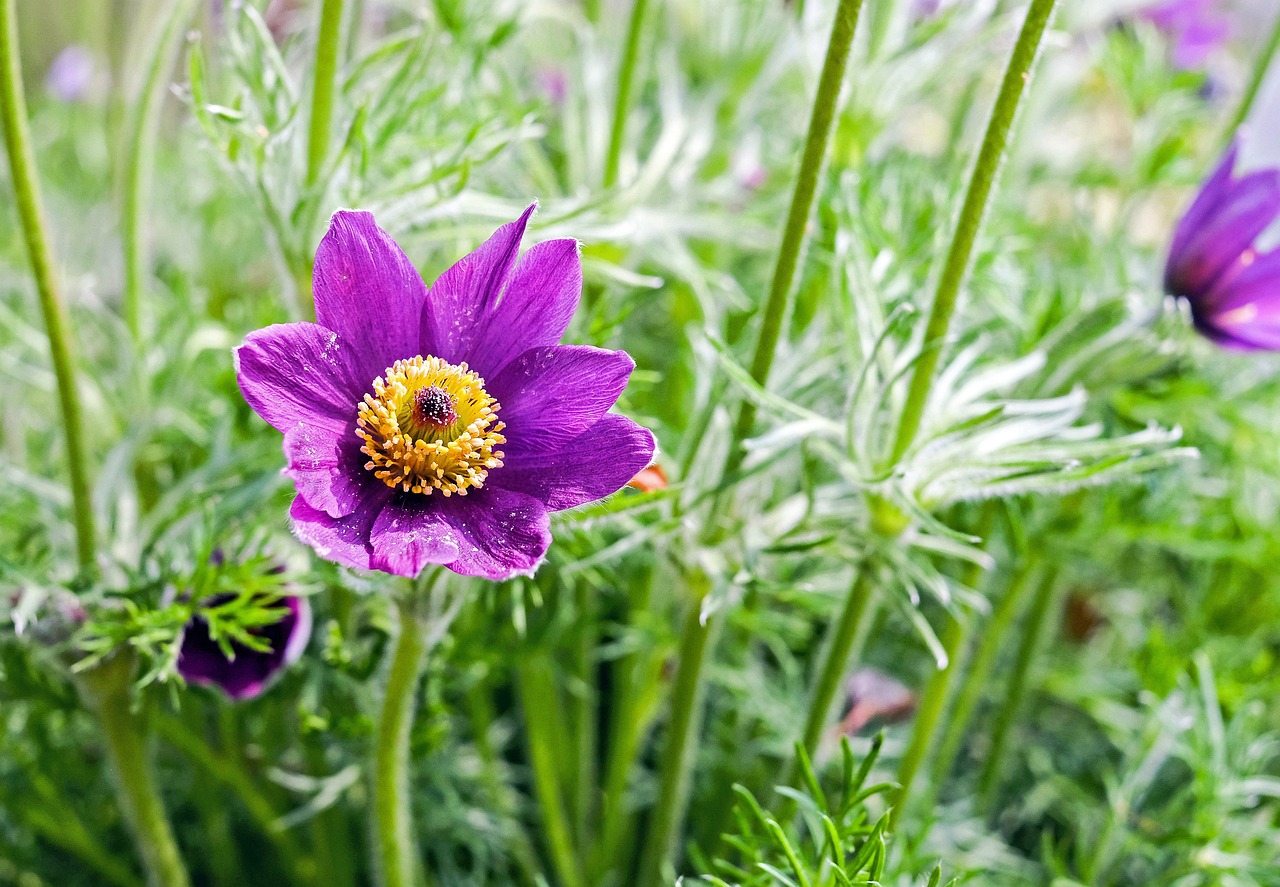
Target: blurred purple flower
[
  {"x": 399, "y": 397},
  {"x": 1233, "y": 290},
  {"x": 1196, "y": 28},
  {"x": 554, "y": 84},
  {"x": 71, "y": 74},
  {"x": 247, "y": 672}
]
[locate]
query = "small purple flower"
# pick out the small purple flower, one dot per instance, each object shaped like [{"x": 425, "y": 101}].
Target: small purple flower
[
  {"x": 443, "y": 426},
  {"x": 71, "y": 75},
  {"x": 1233, "y": 290},
  {"x": 1196, "y": 28},
  {"x": 246, "y": 674}
]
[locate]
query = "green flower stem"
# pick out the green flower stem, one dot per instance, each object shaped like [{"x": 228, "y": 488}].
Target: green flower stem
[
  {"x": 932, "y": 701},
  {"x": 397, "y": 856},
  {"x": 978, "y": 673},
  {"x": 545, "y": 732},
  {"x": 1261, "y": 65},
  {"x": 584, "y": 706},
  {"x": 1037, "y": 620},
  {"x": 105, "y": 689},
  {"x": 50, "y": 816},
  {"x": 622, "y": 100},
  {"x": 835, "y": 661},
  {"x": 696, "y": 638},
  {"x": 328, "y": 40},
  {"x": 823, "y": 114},
  {"x": 138, "y": 160},
  {"x": 956, "y": 268},
  {"x": 22, "y": 166},
  {"x": 938, "y": 689}
]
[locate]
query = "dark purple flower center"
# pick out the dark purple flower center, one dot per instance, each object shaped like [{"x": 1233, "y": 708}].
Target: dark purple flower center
[{"x": 434, "y": 406}]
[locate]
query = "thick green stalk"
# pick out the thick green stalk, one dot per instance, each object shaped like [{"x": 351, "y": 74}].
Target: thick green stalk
[
  {"x": 835, "y": 662},
  {"x": 979, "y": 673},
  {"x": 823, "y": 114},
  {"x": 544, "y": 730},
  {"x": 932, "y": 701},
  {"x": 328, "y": 40},
  {"x": 397, "y": 855},
  {"x": 696, "y": 638},
  {"x": 1037, "y": 620},
  {"x": 22, "y": 167},
  {"x": 105, "y": 691},
  {"x": 138, "y": 160},
  {"x": 1261, "y": 65},
  {"x": 956, "y": 268},
  {"x": 622, "y": 100}
]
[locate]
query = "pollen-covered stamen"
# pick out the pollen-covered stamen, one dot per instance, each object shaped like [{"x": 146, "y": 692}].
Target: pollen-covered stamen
[{"x": 430, "y": 425}]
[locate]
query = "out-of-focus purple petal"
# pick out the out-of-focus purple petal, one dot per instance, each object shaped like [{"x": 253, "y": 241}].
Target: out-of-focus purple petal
[
  {"x": 1206, "y": 202},
  {"x": 410, "y": 533},
  {"x": 1195, "y": 27},
  {"x": 343, "y": 540},
  {"x": 551, "y": 395},
  {"x": 368, "y": 292},
  {"x": 1225, "y": 226},
  {"x": 536, "y": 308},
  {"x": 201, "y": 661},
  {"x": 298, "y": 373},
  {"x": 71, "y": 74},
  {"x": 463, "y": 296},
  {"x": 500, "y": 533},
  {"x": 1247, "y": 316},
  {"x": 595, "y": 464},
  {"x": 327, "y": 468}
]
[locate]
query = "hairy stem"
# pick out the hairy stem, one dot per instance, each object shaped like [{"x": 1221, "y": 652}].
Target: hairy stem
[
  {"x": 823, "y": 114},
  {"x": 545, "y": 731},
  {"x": 1036, "y": 622},
  {"x": 696, "y": 639},
  {"x": 105, "y": 691},
  {"x": 397, "y": 856},
  {"x": 328, "y": 41},
  {"x": 987, "y": 167},
  {"x": 22, "y": 166},
  {"x": 138, "y": 161},
  {"x": 622, "y": 100},
  {"x": 978, "y": 673},
  {"x": 835, "y": 662}
]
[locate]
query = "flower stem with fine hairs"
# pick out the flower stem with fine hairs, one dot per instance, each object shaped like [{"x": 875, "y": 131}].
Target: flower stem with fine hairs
[
  {"x": 835, "y": 662},
  {"x": 674, "y": 769},
  {"x": 793, "y": 235},
  {"x": 105, "y": 690},
  {"x": 328, "y": 41},
  {"x": 1012, "y": 700},
  {"x": 22, "y": 166},
  {"x": 397, "y": 855},
  {"x": 622, "y": 100},
  {"x": 981, "y": 183},
  {"x": 1261, "y": 65},
  {"x": 978, "y": 673},
  {"x": 138, "y": 161}
]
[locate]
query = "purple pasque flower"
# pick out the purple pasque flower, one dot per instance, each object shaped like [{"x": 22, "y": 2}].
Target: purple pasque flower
[
  {"x": 247, "y": 672},
  {"x": 1196, "y": 27},
  {"x": 1233, "y": 289},
  {"x": 442, "y": 426}
]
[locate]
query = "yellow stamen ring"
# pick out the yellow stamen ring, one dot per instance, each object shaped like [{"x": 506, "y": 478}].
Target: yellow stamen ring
[{"x": 430, "y": 425}]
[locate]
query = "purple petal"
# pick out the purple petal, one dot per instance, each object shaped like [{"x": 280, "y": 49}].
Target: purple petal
[
  {"x": 298, "y": 374},
  {"x": 1206, "y": 203},
  {"x": 535, "y": 310},
  {"x": 595, "y": 464},
  {"x": 343, "y": 540},
  {"x": 327, "y": 468},
  {"x": 368, "y": 292},
  {"x": 1238, "y": 213},
  {"x": 1246, "y": 314},
  {"x": 411, "y": 533},
  {"x": 550, "y": 395},
  {"x": 201, "y": 661},
  {"x": 500, "y": 533},
  {"x": 468, "y": 292}
]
